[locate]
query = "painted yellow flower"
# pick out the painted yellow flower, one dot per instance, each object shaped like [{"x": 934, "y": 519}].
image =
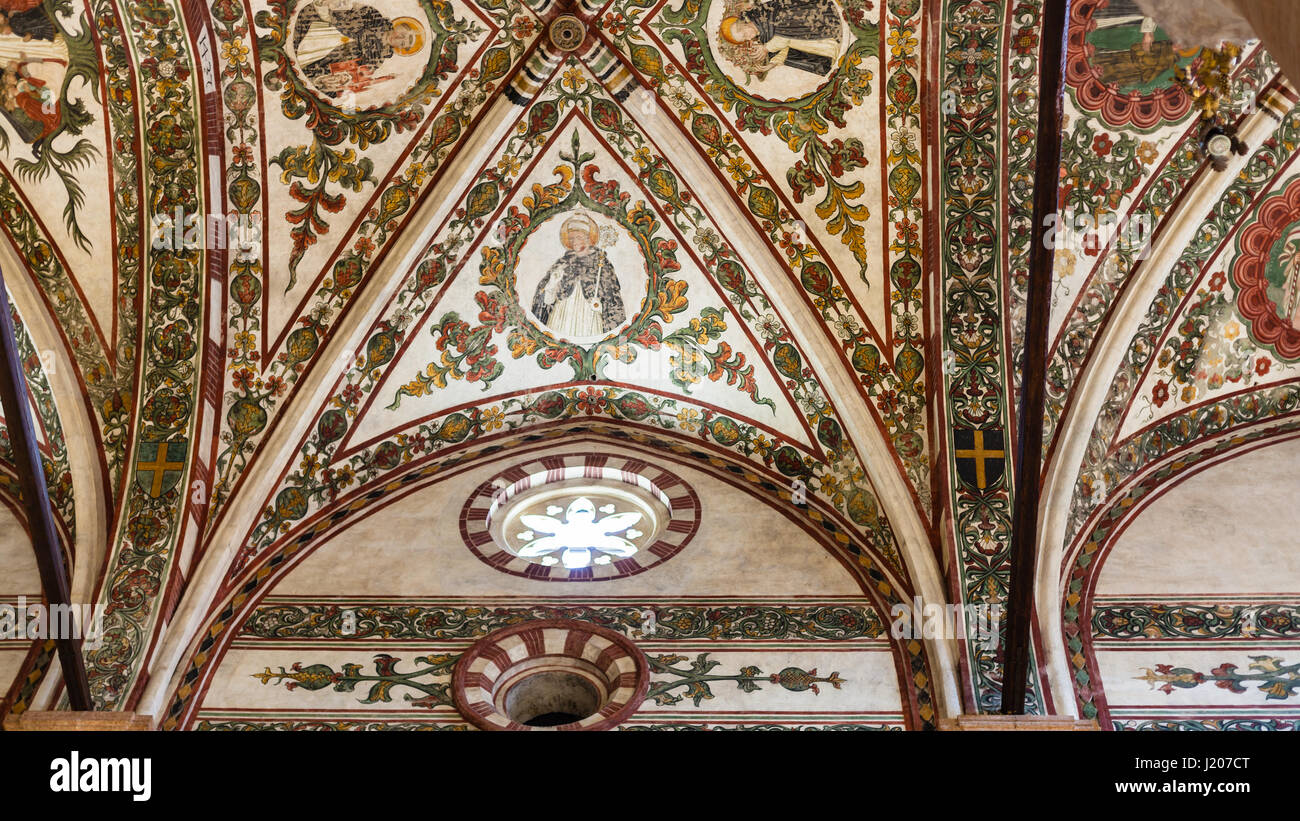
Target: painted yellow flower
[
  {"x": 508, "y": 165},
  {"x": 234, "y": 51},
  {"x": 901, "y": 42},
  {"x": 738, "y": 168},
  {"x": 687, "y": 419},
  {"x": 492, "y": 418},
  {"x": 573, "y": 78},
  {"x": 1231, "y": 331}
]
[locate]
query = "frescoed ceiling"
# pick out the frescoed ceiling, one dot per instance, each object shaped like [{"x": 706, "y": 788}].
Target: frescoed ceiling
[{"x": 314, "y": 271}]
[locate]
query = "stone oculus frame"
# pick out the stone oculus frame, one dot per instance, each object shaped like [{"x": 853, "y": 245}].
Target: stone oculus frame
[
  {"x": 548, "y": 662},
  {"x": 672, "y": 511}
]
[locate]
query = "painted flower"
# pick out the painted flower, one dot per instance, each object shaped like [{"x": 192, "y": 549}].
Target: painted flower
[
  {"x": 901, "y": 42},
  {"x": 1231, "y": 330},
  {"x": 591, "y": 401},
  {"x": 1217, "y": 281},
  {"x": 687, "y": 419},
  {"x": 769, "y": 327},
  {"x": 234, "y": 51},
  {"x": 573, "y": 78},
  {"x": 1147, "y": 152},
  {"x": 1160, "y": 393},
  {"x": 847, "y": 327},
  {"x": 1262, "y": 366},
  {"x": 706, "y": 239},
  {"x": 492, "y": 418},
  {"x": 508, "y": 165},
  {"x": 1102, "y": 145},
  {"x": 615, "y": 24},
  {"x": 1026, "y": 40},
  {"x": 1189, "y": 393}
]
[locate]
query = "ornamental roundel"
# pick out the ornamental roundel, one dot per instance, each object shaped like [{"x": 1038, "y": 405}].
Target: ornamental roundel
[
  {"x": 567, "y": 32},
  {"x": 360, "y": 55},
  {"x": 580, "y": 518},
  {"x": 1121, "y": 65},
  {"x": 803, "y": 54},
  {"x": 1267, "y": 273},
  {"x": 552, "y": 674}
]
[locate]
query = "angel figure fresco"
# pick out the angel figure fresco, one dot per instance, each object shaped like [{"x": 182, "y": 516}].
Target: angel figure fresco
[
  {"x": 579, "y": 295},
  {"x": 579, "y": 535},
  {"x": 33, "y": 64},
  {"x": 798, "y": 34},
  {"x": 341, "y": 44}
]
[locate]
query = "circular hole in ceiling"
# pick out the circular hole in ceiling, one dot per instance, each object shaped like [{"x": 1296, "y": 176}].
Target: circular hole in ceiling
[{"x": 552, "y": 698}]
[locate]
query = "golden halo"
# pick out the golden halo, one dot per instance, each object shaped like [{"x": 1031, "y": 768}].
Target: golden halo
[
  {"x": 578, "y": 222},
  {"x": 725, "y": 30},
  {"x": 412, "y": 25}
]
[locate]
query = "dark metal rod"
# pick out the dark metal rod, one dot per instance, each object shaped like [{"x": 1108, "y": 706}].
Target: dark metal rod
[
  {"x": 40, "y": 519},
  {"x": 1029, "y": 421}
]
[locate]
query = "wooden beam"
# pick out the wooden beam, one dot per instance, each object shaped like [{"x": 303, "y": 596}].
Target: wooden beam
[
  {"x": 1029, "y": 421},
  {"x": 1277, "y": 22},
  {"x": 987, "y": 723},
  {"x": 64, "y": 721},
  {"x": 36, "y": 500}
]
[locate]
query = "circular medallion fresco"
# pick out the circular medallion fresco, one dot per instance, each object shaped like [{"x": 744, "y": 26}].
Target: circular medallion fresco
[
  {"x": 579, "y": 518},
  {"x": 777, "y": 49},
  {"x": 1267, "y": 273},
  {"x": 1121, "y": 65},
  {"x": 581, "y": 276},
  {"x": 361, "y": 54}
]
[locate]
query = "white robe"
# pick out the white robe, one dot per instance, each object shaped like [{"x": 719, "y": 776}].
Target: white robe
[
  {"x": 320, "y": 40},
  {"x": 577, "y": 316}
]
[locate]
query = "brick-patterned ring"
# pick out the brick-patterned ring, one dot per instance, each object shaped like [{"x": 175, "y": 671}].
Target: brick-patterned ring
[{"x": 536, "y": 670}]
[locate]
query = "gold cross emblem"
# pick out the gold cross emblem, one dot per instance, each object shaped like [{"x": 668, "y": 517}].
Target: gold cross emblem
[
  {"x": 979, "y": 454},
  {"x": 159, "y": 466}
]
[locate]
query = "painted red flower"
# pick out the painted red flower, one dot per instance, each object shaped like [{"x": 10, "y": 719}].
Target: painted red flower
[
  {"x": 1217, "y": 281},
  {"x": 591, "y": 401},
  {"x": 1026, "y": 40},
  {"x": 1262, "y": 365},
  {"x": 1102, "y": 145},
  {"x": 1160, "y": 393}
]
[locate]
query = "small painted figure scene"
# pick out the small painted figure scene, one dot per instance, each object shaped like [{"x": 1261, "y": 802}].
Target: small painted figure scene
[
  {"x": 345, "y": 47},
  {"x": 580, "y": 295},
  {"x": 1131, "y": 51},
  {"x": 1284, "y": 277},
  {"x": 33, "y": 64},
  {"x": 757, "y": 37}
]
